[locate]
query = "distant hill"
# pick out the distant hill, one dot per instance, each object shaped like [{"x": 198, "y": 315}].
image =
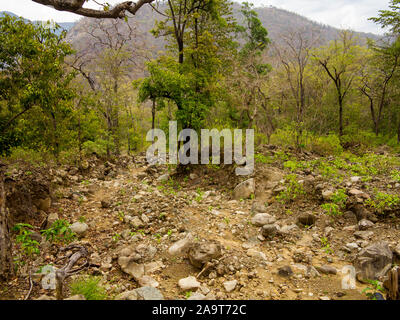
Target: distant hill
[
  {"x": 64, "y": 25},
  {"x": 277, "y": 21}
]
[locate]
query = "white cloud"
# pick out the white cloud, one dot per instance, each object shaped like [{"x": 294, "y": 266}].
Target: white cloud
[{"x": 352, "y": 14}]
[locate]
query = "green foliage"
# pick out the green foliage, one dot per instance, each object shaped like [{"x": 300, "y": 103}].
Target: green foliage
[
  {"x": 383, "y": 202},
  {"x": 28, "y": 245},
  {"x": 293, "y": 189},
  {"x": 33, "y": 84},
  {"x": 326, "y": 246},
  {"x": 89, "y": 287},
  {"x": 376, "y": 287},
  {"x": 340, "y": 198},
  {"x": 59, "y": 232},
  {"x": 331, "y": 209}
]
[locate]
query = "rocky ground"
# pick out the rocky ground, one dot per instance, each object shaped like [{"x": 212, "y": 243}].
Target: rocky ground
[{"x": 152, "y": 233}]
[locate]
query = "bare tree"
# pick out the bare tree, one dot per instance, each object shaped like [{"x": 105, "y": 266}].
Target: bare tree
[{"x": 294, "y": 53}]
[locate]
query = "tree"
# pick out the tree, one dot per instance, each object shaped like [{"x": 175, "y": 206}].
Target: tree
[
  {"x": 376, "y": 76},
  {"x": 250, "y": 72},
  {"x": 390, "y": 18},
  {"x": 294, "y": 54},
  {"x": 32, "y": 79},
  {"x": 76, "y": 6},
  {"x": 339, "y": 61}
]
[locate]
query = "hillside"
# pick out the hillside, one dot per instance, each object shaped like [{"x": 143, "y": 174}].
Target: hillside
[{"x": 277, "y": 21}]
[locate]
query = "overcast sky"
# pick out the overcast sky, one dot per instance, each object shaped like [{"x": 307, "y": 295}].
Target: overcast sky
[{"x": 351, "y": 14}]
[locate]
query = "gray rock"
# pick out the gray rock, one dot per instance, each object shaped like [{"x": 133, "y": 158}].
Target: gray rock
[
  {"x": 52, "y": 217},
  {"x": 365, "y": 224},
  {"x": 230, "y": 285},
  {"x": 189, "y": 284},
  {"x": 285, "y": 271},
  {"x": 136, "y": 222},
  {"x": 244, "y": 190},
  {"x": 269, "y": 231},
  {"x": 197, "y": 296},
  {"x": 201, "y": 253},
  {"x": 79, "y": 228},
  {"x": 181, "y": 246},
  {"x": 365, "y": 235},
  {"x": 325, "y": 269},
  {"x": 258, "y": 207},
  {"x": 374, "y": 261},
  {"x": 261, "y": 219},
  {"x": 149, "y": 293},
  {"x": 128, "y": 295},
  {"x": 76, "y": 297},
  {"x": 147, "y": 281}
]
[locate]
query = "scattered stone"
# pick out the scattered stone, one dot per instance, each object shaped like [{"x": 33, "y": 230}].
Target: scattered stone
[
  {"x": 365, "y": 224},
  {"x": 182, "y": 246},
  {"x": 147, "y": 281},
  {"x": 79, "y": 228},
  {"x": 149, "y": 293},
  {"x": 285, "y": 271},
  {"x": 163, "y": 178},
  {"x": 325, "y": 269},
  {"x": 76, "y": 297},
  {"x": 230, "y": 285},
  {"x": 128, "y": 295},
  {"x": 261, "y": 219},
  {"x": 269, "y": 231},
  {"x": 53, "y": 217},
  {"x": 365, "y": 235},
  {"x": 46, "y": 297},
  {"x": 188, "y": 284},
  {"x": 258, "y": 207},
  {"x": 201, "y": 253}
]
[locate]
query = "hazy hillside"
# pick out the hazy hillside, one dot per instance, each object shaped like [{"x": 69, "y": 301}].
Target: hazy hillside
[
  {"x": 64, "y": 25},
  {"x": 277, "y": 21}
]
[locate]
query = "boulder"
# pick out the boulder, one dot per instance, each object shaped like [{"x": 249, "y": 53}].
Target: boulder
[
  {"x": 244, "y": 190},
  {"x": 373, "y": 262},
  {"x": 189, "y": 284},
  {"x": 261, "y": 219}
]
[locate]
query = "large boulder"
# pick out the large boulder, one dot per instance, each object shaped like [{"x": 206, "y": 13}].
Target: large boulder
[
  {"x": 373, "y": 262},
  {"x": 244, "y": 190}
]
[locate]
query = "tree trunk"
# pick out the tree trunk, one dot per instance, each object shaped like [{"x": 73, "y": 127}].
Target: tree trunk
[
  {"x": 340, "y": 117},
  {"x": 6, "y": 261}
]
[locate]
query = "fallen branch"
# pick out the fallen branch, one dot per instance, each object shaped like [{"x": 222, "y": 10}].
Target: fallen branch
[{"x": 68, "y": 270}]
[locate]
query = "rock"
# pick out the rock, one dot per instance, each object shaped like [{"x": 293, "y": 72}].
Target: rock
[
  {"x": 307, "y": 219},
  {"x": 230, "y": 285},
  {"x": 136, "y": 222},
  {"x": 244, "y": 190},
  {"x": 350, "y": 217},
  {"x": 182, "y": 246},
  {"x": 79, "y": 228},
  {"x": 261, "y": 219},
  {"x": 189, "y": 284},
  {"x": 149, "y": 293},
  {"x": 397, "y": 250},
  {"x": 269, "y": 231},
  {"x": 327, "y": 194},
  {"x": 325, "y": 269},
  {"x": 127, "y": 260},
  {"x": 45, "y": 297},
  {"x": 163, "y": 178},
  {"x": 105, "y": 204},
  {"x": 77, "y": 297},
  {"x": 351, "y": 246},
  {"x": 365, "y": 235},
  {"x": 285, "y": 271},
  {"x": 355, "y": 192},
  {"x": 197, "y": 296},
  {"x": 128, "y": 295},
  {"x": 201, "y": 253},
  {"x": 52, "y": 217},
  {"x": 147, "y": 281},
  {"x": 365, "y": 224},
  {"x": 373, "y": 262},
  {"x": 258, "y": 207}
]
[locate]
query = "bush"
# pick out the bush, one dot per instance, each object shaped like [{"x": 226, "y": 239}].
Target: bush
[
  {"x": 89, "y": 287},
  {"x": 326, "y": 145}
]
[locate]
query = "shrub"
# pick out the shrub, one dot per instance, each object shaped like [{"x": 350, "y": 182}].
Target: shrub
[
  {"x": 326, "y": 145},
  {"x": 28, "y": 245},
  {"x": 89, "y": 287},
  {"x": 59, "y": 232}
]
